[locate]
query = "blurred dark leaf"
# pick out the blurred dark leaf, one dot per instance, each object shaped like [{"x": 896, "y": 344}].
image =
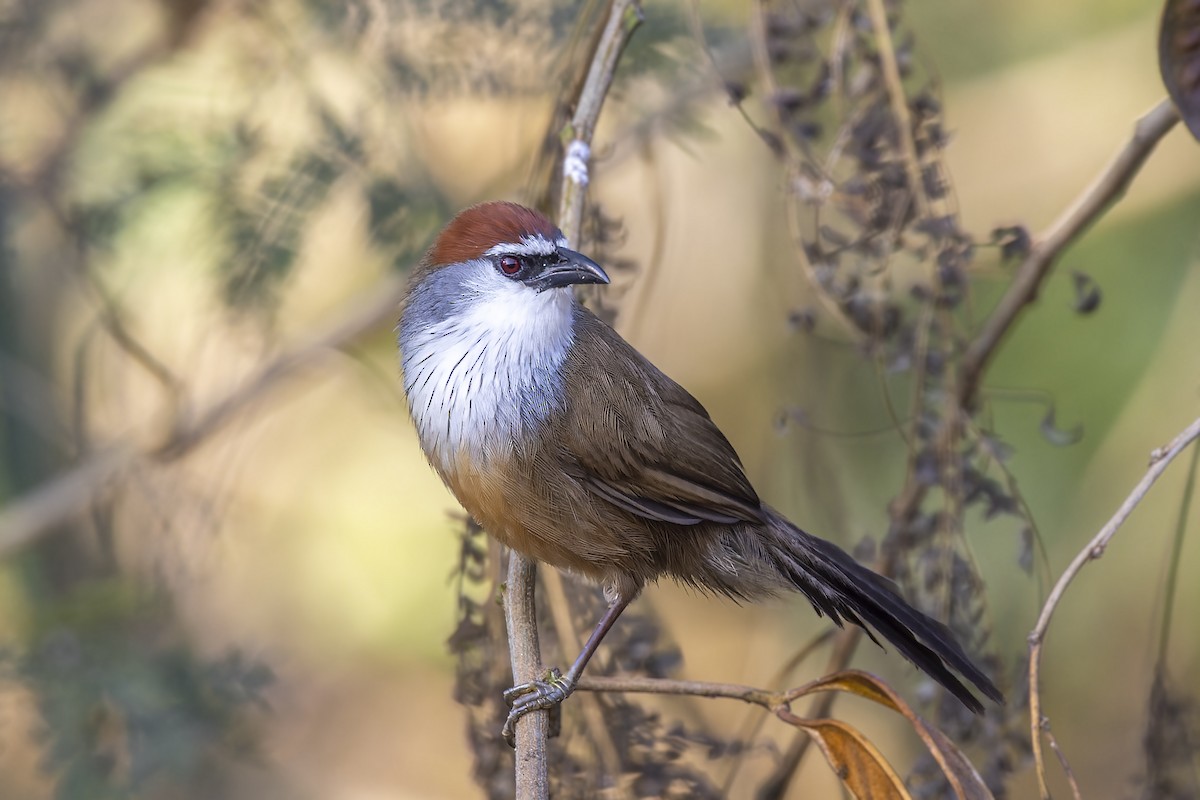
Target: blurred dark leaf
[
  {"x": 927, "y": 468},
  {"x": 934, "y": 182},
  {"x": 239, "y": 680},
  {"x": 980, "y": 487},
  {"x": 266, "y": 230},
  {"x": 1055, "y": 435},
  {"x": 1171, "y": 742},
  {"x": 1087, "y": 292},
  {"x": 802, "y": 320},
  {"x": 1015, "y": 242},
  {"x": 1179, "y": 58},
  {"x": 123, "y": 702},
  {"x": 347, "y": 143},
  {"x": 404, "y": 219},
  {"x": 939, "y": 228},
  {"x": 866, "y": 551},
  {"x": 1025, "y": 554}
]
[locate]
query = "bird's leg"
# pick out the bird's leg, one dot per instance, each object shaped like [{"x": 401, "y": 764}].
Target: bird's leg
[{"x": 556, "y": 687}]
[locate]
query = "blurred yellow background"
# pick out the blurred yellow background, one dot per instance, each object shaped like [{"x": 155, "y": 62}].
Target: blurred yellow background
[{"x": 312, "y": 536}]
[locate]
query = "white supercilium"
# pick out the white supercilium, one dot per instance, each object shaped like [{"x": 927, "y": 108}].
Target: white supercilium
[{"x": 528, "y": 246}]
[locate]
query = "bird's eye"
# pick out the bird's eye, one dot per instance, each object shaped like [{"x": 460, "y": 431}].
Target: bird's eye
[{"x": 510, "y": 265}]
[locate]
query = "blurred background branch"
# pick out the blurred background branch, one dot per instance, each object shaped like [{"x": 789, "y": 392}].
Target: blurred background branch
[
  {"x": 1108, "y": 187},
  {"x": 64, "y": 496}
]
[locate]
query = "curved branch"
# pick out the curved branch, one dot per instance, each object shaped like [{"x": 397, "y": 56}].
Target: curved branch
[
  {"x": 1160, "y": 459},
  {"x": 1096, "y": 199}
]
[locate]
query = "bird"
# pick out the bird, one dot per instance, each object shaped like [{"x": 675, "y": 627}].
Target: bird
[{"x": 567, "y": 445}]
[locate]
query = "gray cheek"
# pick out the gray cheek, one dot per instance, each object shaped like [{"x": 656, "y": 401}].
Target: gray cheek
[
  {"x": 435, "y": 298},
  {"x": 427, "y": 306}
]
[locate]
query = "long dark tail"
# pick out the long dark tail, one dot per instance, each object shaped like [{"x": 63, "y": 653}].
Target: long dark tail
[{"x": 843, "y": 589}]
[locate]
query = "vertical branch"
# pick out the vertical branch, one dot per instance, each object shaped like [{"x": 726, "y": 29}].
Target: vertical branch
[
  {"x": 623, "y": 17},
  {"x": 532, "y": 780},
  {"x": 533, "y": 729}
]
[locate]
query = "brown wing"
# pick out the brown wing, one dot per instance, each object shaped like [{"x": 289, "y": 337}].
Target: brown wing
[{"x": 638, "y": 440}]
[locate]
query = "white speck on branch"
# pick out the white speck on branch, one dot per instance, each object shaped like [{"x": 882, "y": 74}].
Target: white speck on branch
[
  {"x": 623, "y": 18},
  {"x": 575, "y": 162}
]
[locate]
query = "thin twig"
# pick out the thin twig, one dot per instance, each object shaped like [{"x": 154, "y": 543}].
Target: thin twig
[
  {"x": 1097, "y": 198},
  {"x": 1159, "y": 460},
  {"x": 637, "y": 684},
  {"x": 767, "y": 698},
  {"x": 1062, "y": 760}
]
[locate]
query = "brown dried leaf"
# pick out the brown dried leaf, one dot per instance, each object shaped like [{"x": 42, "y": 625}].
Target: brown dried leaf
[
  {"x": 860, "y": 766},
  {"x": 961, "y": 774}
]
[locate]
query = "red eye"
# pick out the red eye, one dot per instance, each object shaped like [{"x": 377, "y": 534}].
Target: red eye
[{"x": 510, "y": 265}]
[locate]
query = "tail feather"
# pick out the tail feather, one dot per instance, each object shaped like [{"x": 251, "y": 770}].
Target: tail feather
[{"x": 841, "y": 588}]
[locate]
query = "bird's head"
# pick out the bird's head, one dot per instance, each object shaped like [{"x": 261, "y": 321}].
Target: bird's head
[
  {"x": 510, "y": 247},
  {"x": 489, "y": 318},
  {"x": 500, "y": 271}
]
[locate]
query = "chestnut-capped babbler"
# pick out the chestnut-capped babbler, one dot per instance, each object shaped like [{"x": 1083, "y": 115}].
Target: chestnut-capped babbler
[{"x": 567, "y": 445}]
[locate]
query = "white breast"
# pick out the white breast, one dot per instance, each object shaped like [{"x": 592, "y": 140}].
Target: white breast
[{"x": 481, "y": 376}]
